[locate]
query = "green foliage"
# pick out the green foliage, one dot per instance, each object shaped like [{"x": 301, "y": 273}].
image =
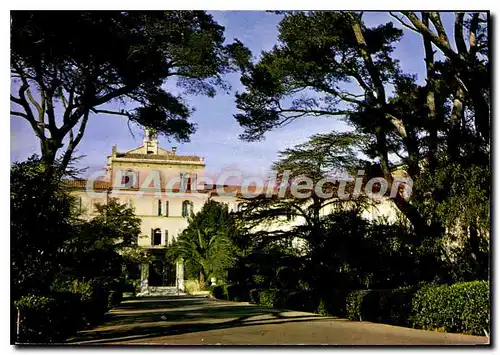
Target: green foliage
[
  {"x": 270, "y": 298},
  {"x": 334, "y": 64},
  {"x": 219, "y": 292},
  {"x": 48, "y": 318},
  {"x": 237, "y": 293},
  {"x": 323, "y": 308},
  {"x": 300, "y": 300},
  {"x": 206, "y": 244},
  {"x": 353, "y": 304},
  {"x": 462, "y": 307},
  {"x": 255, "y": 296},
  {"x": 381, "y": 306},
  {"x": 39, "y": 227},
  {"x": 82, "y": 260}
]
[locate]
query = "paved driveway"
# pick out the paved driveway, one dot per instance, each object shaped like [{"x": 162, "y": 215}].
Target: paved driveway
[{"x": 203, "y": 321}]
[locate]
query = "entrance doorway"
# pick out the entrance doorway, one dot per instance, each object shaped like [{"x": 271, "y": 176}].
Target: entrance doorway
[{"x": 162, "y": 273}]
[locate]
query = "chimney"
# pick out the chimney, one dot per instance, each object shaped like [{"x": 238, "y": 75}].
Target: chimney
[{"x": 174, "y": 149}]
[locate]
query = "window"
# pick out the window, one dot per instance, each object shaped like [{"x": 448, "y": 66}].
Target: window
[
  {"x": 129, "y": 178},
  {"x": 125, "y": 179},
  {"x": 184, "y": 182},
  {"x": 159, "y": 207},
  {"x": 166, "y": 237},
  {"x": 187, "y": 208},
  {"x": 166, "y": 208},
  {"x": 156, "y": 236}
]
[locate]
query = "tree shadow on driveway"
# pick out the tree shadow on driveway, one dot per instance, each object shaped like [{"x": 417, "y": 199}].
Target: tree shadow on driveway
[{"x": 152, "y": 318}]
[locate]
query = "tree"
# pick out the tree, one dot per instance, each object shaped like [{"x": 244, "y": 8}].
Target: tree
[
  {"x": 332, "y": 64},
  {"x": 39, "y": 227},
  {"x": 206, "y": 244},
  {"x": 101, "y": 247},
  {"x": 68, "y": 65},
  {"x": 316, "y": 160}
]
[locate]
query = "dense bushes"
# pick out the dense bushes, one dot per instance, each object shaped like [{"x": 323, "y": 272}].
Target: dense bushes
[
  {"x": 236, "y": 293},
  {"x": 219, "y": 292},
  {"x": 381, "y": 306},
  {"x": 270, "y": 298},
  {"x": 460, "y": 308},
  {"x": 48, "y": 318},
  {"x": 463, "y": 307},
  {"x": 68, "y": 308}
]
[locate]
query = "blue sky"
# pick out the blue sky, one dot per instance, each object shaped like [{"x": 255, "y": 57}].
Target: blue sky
[{"x": 217, "y": 136}]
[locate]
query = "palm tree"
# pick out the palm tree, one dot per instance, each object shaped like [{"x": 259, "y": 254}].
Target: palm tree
[{"x": 206, "y": 242}]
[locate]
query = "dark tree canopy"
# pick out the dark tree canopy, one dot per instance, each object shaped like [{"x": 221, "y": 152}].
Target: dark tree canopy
[
  {"x": 84, "y": 60},
  {"x": 332, "y": 64}
]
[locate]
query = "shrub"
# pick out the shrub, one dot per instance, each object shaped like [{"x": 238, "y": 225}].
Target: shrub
[
  {"x": 46, "y": 319},
  {"x": 353, "y": 304},
  {"x": 255, "y": 295},
  {"x": 322, "y": 308},
  {"x": 237, "y": 293},
  {"x": 332, "y": 304},
  {"x": 381, "y": 306},
  {"x": 218, "y": 292},
  {"x": 258, "y": 279},
  {"x": 463, "y": 307},
  {"x": 269, "y": 298},
  {"x": 300, "y": 300}
]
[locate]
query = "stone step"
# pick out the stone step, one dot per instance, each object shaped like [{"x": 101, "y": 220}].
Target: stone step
[{"x": 161, "y": 291}]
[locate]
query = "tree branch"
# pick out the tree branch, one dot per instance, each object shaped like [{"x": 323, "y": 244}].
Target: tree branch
[
  {"x": 474, "y": 24},
  {"x": 436, "y": 21},
  {"x": 15, "y": 113},
  {"x": 119, "y": 113},
  {"x": 73, "y": 143},
  {"x": 443, "y": 45},
  {"x": 459, "y": 33},
  {"x": 403, "y": 23}
]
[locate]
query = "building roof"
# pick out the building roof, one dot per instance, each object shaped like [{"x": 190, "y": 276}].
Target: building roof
[
  {"x": 81, "y": 183},
  {"x": 159, "y": 157}
]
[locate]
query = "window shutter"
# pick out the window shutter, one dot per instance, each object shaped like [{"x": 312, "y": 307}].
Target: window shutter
[
  {"x": 166, "y": 208},
  {"x": 166, "y": 237},
  {"x": 152, "y": 236}
]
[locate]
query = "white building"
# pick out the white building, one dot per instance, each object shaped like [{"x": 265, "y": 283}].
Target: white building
[{"x": 162, "y": 187}]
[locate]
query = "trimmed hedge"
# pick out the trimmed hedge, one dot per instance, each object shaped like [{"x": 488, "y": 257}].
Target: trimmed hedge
[
  {"x": 380, "y": 306},
  {"x": 219, "y": 292},
  {"x": 463, "y": 308},
  {"x": 255, "y": 296},
  {"x": 70, "y": 307},
  {"x": 460, "y": 308},
  {"x": 237, "y": 293},
  {"x": 46, "y": 319},
  {"x": 270, "y": 298}
]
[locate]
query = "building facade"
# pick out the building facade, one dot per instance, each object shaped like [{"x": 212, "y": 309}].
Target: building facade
[
  {"x": 161, "y": 187},
  {"x": 164, "y": 188}
]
